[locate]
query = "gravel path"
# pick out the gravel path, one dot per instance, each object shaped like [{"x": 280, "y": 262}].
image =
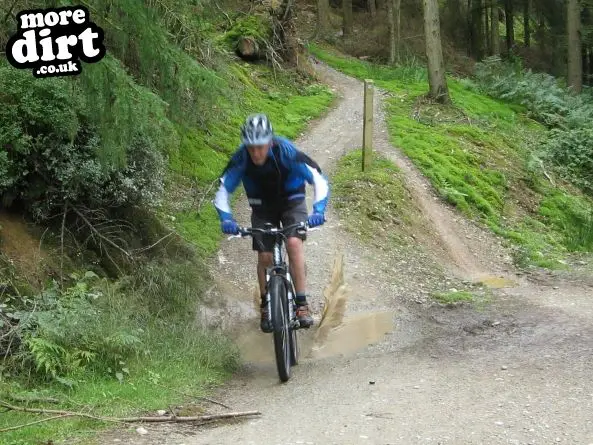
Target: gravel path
[{"x": 517, "y": 369}]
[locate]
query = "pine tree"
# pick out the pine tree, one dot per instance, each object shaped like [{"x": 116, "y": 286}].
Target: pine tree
[{"x": 434, "y": 52}]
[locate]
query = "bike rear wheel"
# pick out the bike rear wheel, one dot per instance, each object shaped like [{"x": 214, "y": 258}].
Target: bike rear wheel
[{"x": 281, "y": 324}]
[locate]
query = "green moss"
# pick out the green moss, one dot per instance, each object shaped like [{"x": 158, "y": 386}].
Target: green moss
[
  {"x": 374, "y": 203},
  {"x": 195, "y": 159},
  {"x": 202, "y": 230},
  {"x": 477, "y": 155},
  {"x": 254, "y": 26},
  {"x": 453, "y": 297}
]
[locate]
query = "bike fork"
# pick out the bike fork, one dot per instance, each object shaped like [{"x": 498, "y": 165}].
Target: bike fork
[
  {"x": 294, "y": 323},
  {"x": 268, "y": 299}
]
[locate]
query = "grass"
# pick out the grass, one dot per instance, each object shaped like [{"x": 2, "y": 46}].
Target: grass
[
  {"x": 182, "y": 360},
  {"x": 452, "y": 297},
  {"x": 476, "y": 153},
  {"x": 374, "y": 201}
]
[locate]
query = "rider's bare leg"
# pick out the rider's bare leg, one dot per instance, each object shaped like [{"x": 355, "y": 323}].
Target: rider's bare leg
[
  {"x": 296, "y": 255},
  {"x": 264, "y": 259}
]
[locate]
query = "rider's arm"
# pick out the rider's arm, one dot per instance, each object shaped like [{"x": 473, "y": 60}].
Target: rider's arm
[
  {"x": 308, "y": 169},
  {"x": 229, "y": 181}
]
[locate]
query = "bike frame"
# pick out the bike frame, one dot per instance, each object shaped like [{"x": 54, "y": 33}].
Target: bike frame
[{"x": 279, "y": 267}]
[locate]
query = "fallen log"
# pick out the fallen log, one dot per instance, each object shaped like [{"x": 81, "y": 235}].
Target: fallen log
[{"x": 248, "y": 49}]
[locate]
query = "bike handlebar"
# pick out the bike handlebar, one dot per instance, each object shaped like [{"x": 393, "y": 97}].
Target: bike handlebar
[{"x": 246, "y": 231}]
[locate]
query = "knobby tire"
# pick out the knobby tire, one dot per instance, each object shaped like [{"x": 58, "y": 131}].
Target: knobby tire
[
  {"x": 281, "y": 324},
  {"x": 294, "y": 341}
]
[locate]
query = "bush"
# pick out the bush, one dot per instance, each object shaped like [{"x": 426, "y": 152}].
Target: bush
[
  {"x": 51, "y": 151},
  {"x": 64, "y": 332},
  {"x": 572, "y": 151},
  {"x": 570, "y": 143}
]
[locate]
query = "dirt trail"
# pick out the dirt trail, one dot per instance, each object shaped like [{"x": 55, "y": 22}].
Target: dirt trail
[{"x": 399, "y": 370}]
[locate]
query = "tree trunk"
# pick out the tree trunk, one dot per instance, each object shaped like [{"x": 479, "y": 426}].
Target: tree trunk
[
  {"x": 380, "y": 5},
  {"x": 476, "y": 29},
  {"x": 323, "y": 20},
  {"x": 585, "y": 58},
  {"x": 487, "y": 33},
  {"x": 541, "y": 29},
  {"x": 393, "y": 20},
  {"x": 347, "y": 17},
  {"x": 391, "y": 25},
  {"x": 398, "y": 24},
  {"x": 470, "y": 30},
  {"x": 526, "y": 17},
  {"x": 591, "y": 66},
  {"x": 494, "y": 19},
  {"x": 575, "y": 63},
  {"x": 372, "y": 8},
  {"x": 508, "y": 14},
  {"x": 434, "y": 53}
]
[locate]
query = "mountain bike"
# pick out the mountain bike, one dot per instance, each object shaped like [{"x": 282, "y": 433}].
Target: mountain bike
[{"x": 280, "y": 295}]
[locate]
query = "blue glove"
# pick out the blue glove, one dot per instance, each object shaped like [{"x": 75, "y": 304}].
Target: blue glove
[
  {"x": 316, "y": 219},
  {"x": 230, "y": 227}
]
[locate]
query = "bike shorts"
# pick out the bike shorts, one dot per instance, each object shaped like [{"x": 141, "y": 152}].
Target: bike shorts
[{"x": 292, "y": 213}]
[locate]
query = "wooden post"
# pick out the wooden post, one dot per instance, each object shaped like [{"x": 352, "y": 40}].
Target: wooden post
[{"x": 367, "y": 125}]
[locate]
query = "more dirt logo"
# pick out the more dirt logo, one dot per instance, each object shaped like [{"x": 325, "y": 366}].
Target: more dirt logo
[{"x": 51, "y": 41}]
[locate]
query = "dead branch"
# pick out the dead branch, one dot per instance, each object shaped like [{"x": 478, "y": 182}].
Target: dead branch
[
  {"x": 62, "y": 244},
  {"x": 193, "y": 397},
  {"x": 225, "y": 14},
  {"x": 32, "y": 399},
  {"x": 206, "y": 418},
  {"x": 287, "y": 10},
  {"x": 42, "y": 236},
  {"x": 143, "y": 249},
  {"x": 57, "y": 412},
  {"x": 9, "y": 12},
  {"x": 546, "y": 173},
  {"x": 173, "y": 418},
  {"x": 12, "y": 428},
  {"x": 95, "y": 232},
  {"x": 206, "y": 194},
  {"x": 14, "y": 329}
]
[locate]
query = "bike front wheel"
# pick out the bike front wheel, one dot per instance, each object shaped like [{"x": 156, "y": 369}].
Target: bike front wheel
[
  {"x": 281, "y": 324},
  {"x": 294, "y": 348}
]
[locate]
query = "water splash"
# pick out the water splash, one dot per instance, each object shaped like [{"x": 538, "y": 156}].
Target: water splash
[{"x": 335, "y": 297}]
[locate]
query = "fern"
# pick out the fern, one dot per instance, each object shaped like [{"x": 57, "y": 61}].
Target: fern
[
  {"x": 68, "y": 332},
  {"x": 47, "y": 356},
  {"x": 570, "y": 141}
]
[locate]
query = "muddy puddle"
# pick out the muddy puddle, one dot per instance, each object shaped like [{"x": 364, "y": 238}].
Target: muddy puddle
[
  {"x": 353, "y": 334},
  {"x": 333, "y": 334},
  {"x": 497, "y": 282}
]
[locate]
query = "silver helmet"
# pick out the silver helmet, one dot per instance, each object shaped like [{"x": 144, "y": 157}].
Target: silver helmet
[{"x": 257, "y": 130}]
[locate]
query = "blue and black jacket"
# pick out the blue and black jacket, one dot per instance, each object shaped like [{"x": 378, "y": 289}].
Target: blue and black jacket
[{"x": 279, "y": 181}]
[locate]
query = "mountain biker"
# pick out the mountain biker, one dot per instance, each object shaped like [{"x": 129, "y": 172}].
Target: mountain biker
[{"x": 273, "y": 172}]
